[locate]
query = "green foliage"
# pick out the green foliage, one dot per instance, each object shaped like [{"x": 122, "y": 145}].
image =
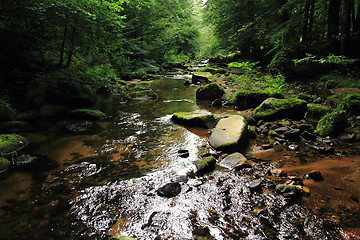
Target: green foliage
[
  {"x": 246, "y": 66},
  {"x": 341, "y": 60},
  {"x": 6, "y": 110},
  {"x": 332, "y": 123}
]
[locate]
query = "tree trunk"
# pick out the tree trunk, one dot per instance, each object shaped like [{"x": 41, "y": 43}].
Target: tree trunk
[
  {"x": 333, "y": 26},
  {"x": 308, "y": 21},
  {"x": 71, "y": 47},
  {"x": 62, "y": 50},
  {"x": 345, "y": 27}
]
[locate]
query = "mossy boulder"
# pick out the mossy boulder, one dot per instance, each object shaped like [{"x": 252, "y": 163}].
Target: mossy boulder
[
  {"x": 316, "y": 111},
  {"x": 14, "y": 126},
  {"x": 194, "y": 119},
  {"x": 352, "y": 103},
  {"x": 332, "y": 123},
  {"x": 274, "y": 109},
  {"x": 87, "y": 114},
  {"x": 210, "y": 92},
  {"x": 245, "y": 99},
  {"x": 201, "y": 77},
  {"x": 143, "y": 94},
  {"x": 10, "y": 143},
  {"x": 212, "y": 70},
  {"x": 230, "y": 134},
  {"x": 4, "y": 165},
  {"x": 205, "y": 165},
  {"x": 6, "y": 111}
]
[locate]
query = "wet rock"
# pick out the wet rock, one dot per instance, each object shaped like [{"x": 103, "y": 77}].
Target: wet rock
[
  {"x": 88, "y": 114},
  {"x": 278, "y": 172},
  {"x": 24, "y": 160},
  {"x": 235, "y": 161},
  {"x": 169, "y": 190},
  {"x": 292, "y": 134},
  {"x": 216, "y": 103},
  {"x": 194, "y": 119},
  {"x": 10, "y": 143},
  {"x": 4, "y": 166},
  {"x": 316, "y": 111},
  {"x": 347, "y": 137},
  {"x": 28, "y": 116},
  {"x": 285, "y": 189},
  {"x": 201, "y": 77},
  {"x": 293, "y": 147},
  {"x": 183, "y": 153},
  {"x": 187, "y": 83},
  {"x": 206, "y": 165},
  {"x": 182, "y": 179},
  {"x": 15, "y": 126},
  {"x": 324, "y": 150},
  {"x": 79, "y": 126},
  {"x": 123, "y": 238},
  {"x": 282, "y": 130},
  {"x": 306, "y": 127},
  {"x": 273, "y": 109},
  {"x": 230, "y": 134},
  {"x": 296, "y": 180},
  {"x": 314, "y": 175},
  {"x": 308, "y": 136},
  {"x": 255, "y": 185},
  {"x": 210, "y": 91},
  {"x": 266, "y": 146}
]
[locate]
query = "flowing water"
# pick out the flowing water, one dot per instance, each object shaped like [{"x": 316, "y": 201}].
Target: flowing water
[{"x": 103, "y": 183}]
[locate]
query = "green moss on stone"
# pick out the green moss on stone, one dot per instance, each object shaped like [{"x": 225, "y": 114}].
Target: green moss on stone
[
  {"x": 148, "y": 93},
  {"x": 10, "y": 143},
  {"x": 194, "y": 119},
  {"x": 316, "y": 111},
  {"x": 210, "y": 91},
  {"x": 332, "y": 123},
  {"x": 245, "y": 99},
  {"x": 88, "y": 114},
  {"x": 212, "y": 70},
  {"x": 206, "y": 164},
  {"x": 14, "y": 125},
  {"x": 4, "y": 164},
  {"x": 272, "y": 109}
]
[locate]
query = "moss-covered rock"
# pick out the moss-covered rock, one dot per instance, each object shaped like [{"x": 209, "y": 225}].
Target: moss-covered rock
[
  {"x": 273, "y": 109},
  {"x": 201, "y": 77},
  {"x": 332, "y": 123},
  {"x": 352, "y": 103},
  {"x": 143, "y": 94},
  {"x": 212, "y": 70},
  {"x": 316, "y": 111},
  {"x": 205, "y": 165},
  {"x": 14, "y": 126},
  {"x": 245, "y": 99},
  {"x": 4, "y": 165},
  {"x": 230, "y": 134},
  {"x": 210, "y": 92},
  {"x": 10, "y": 143},
  {"x": 89, "y": 114},
  {"x": 194, "y": 119}
]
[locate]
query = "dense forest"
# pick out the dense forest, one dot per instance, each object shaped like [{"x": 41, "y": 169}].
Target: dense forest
[{"x": 116, "y": 115}]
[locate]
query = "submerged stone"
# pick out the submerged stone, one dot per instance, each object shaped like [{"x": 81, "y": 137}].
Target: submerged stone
[
  {"x": 89, "y": 114},
  {"x": 193, "y": 119},
  {"x": 169, "y": 190},
  {"x": 210, "y": 91},
  {"x": 274, "y": 109},
  {"x": 10, "y": 143},
  {"x": 230, "y": 134}
]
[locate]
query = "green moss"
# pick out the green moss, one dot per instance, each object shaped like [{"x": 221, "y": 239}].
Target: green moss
[
  {"x": 228, "y": 146},
  {"x": 332, "y": 123},
  {"x": 148, "y": 93},
  {"x": 201, "y": 77},
  {"x": 316, "y": 111},
  {"x": 273, "y": 133},
  {"x": 6, "y": 110},
  {"x": 282, "y": 188},
  {"x": 4, "y": 164},
  {"x": 272, "y": 109},
  {"x": 352, "y": 103},
  {"x": 206, "y": 164},
  {"x": 245, "y": 99},
  {"x": 88, "y": 114},
  {"x": 210, "y": 91},
  {"x": 212, "y": 70},
  {"x": 10, "y": 143},
  {"x": 193, "y": 119}
]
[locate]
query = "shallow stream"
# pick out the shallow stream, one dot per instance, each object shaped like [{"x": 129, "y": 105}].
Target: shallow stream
[{"x": 103, "y": 183}]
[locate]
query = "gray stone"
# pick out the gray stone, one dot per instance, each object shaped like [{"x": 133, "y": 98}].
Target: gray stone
[
  {"x": 235, "y": 161},
  {"x": 230, "y": 134},
  {"x": 169, "y": 190}
]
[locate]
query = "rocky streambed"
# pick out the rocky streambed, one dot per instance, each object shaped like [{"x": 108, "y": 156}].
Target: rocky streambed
[{"x": 149, "y": 173}]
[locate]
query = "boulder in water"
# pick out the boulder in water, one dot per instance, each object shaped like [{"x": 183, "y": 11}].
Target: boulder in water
[
  {"x": 230, "y": 134},
  {"x": 10, "y": 143},
  {"x": 194, "y": 119},
  {"x": 88, "y": 114},
  {"x": 210, "y": 91},
  {"x": 169, "y": 190}
]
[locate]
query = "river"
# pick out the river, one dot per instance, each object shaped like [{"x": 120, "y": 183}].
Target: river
[{"x": 103, "y": 183}]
